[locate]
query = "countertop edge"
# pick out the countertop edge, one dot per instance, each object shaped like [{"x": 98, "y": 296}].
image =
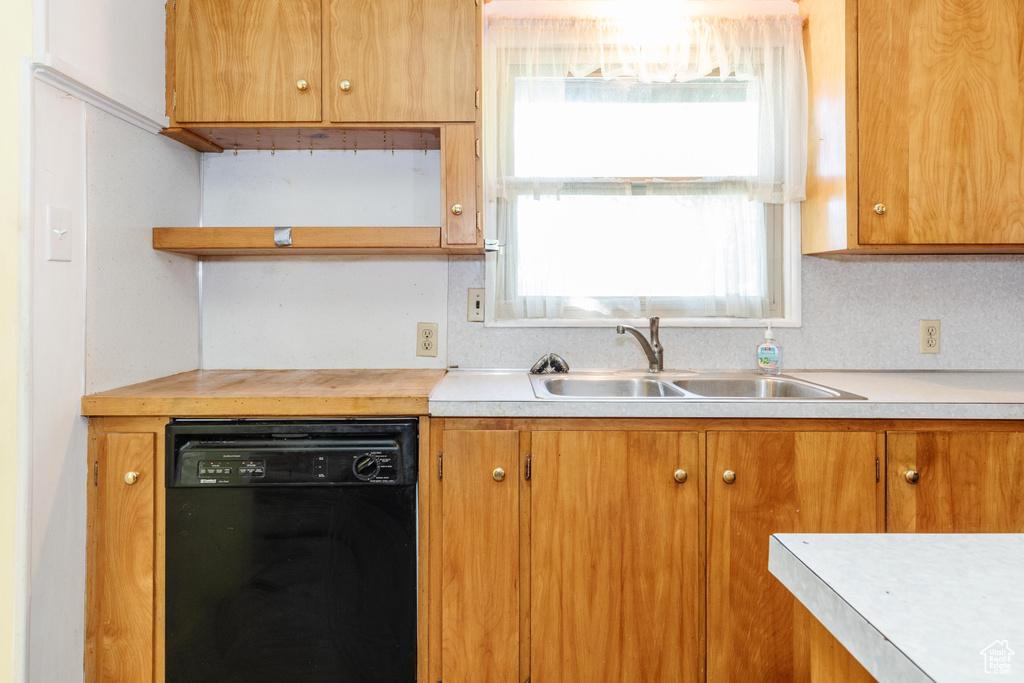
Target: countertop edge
[{"x": 876, "y": 653}]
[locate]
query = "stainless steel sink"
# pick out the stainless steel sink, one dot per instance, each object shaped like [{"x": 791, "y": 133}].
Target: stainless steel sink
[
  {"x": 606, "y": 387},
  {"x": 756, "y": 387},
  {"x": 720, "y": 386}
]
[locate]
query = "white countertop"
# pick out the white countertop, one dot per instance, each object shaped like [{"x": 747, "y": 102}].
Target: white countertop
[
  {"x": 968, "y": 395},
  {"x": 913, "y": 607}
]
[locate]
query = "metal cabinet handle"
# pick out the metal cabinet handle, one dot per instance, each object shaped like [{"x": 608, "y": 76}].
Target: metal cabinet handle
[
  {"x": 680, "y": 476},
  {"x": 457, "y": 209},
  {"x": 729, "y": 477},
  {"x": 301, "y": 84},
  {"x": 131, "y": 477},
  {"x": 498, "y": 474},
  {"x": 880, "y": 209},
  {"x": 912, "y": 476},
  {"x": 345, "y": 85}
]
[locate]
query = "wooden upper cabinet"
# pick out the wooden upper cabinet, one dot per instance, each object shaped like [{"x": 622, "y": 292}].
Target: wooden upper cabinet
[
  {"x": 941, "y": 122},
  {"x": 966, "y": 482},
  {"x": 615, "y": 573},
  {"x": 916, "y": 140},
  {"x": 246, "y": 61},
  {"x": 784, "y": 482},
  {"x": 402, "y": 60}
]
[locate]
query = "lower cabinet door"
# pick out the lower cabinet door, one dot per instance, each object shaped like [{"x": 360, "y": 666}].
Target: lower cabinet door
[
  {"x": 759, "y": 484},
  {"x": 123, "y": 641},
  {"x": 955, "y": 482},
  {"x": 480, "y": 557},
  {"x": 615, "y": 572}
]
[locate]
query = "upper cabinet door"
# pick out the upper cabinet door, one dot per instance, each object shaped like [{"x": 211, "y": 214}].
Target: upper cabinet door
[
  {"x": 941, "y": 110},
  {"x": 402, "y": 60},
  {"x": 247, "y": 61}
]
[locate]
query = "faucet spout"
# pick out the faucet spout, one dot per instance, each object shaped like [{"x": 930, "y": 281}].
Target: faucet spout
[{"x": 653, "y": 350}]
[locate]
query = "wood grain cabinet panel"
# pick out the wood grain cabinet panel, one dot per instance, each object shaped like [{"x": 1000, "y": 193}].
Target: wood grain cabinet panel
[
  {"x": 480, "y": 557},
  {"x": 785, "y": 482},
  {"x": 967, "y": 482},
  {"x": 402, "y": 60},
  {"x": 615, "y": 577},
  {"x": 123, "y": 638},
  {"x": 916, "y": 126},
  {"x": 243, "y": 60}
]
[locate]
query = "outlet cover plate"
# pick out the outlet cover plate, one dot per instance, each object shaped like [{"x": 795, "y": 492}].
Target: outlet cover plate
[
  {"x": 426, "y": 339},
  {"x": 930, "y": 336}
]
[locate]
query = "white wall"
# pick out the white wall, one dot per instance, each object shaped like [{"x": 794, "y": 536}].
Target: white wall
[
  {"x": 117, "y": 313},
  {"x": 58, "y": 433},
  {"x": 115, "y": 47},
  {"x": 143, "y": 305},
  {"x": 325, "y": 312},
  {"x": 858, "y": 312}
]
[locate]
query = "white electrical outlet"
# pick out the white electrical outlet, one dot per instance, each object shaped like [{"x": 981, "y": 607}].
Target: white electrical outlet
[
  {"x": 930, "y": 337},
  {"x": 426, "y": 339},
  {"x": 475, "y": 311}
]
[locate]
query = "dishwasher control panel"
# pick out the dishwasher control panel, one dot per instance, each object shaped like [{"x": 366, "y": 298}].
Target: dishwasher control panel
[{"x": 281, "y": 455}]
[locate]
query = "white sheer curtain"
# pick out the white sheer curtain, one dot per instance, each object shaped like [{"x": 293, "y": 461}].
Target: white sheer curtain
[{"x": 607, "y": 206}]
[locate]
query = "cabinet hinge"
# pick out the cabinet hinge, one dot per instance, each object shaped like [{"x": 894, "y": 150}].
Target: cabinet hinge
[
  {"x": 527, "y": 469},
  {"x": 479, "y": 223},
  {"x": 96, "y": 473},
  {"x": 878, "y": 468},
  {"x": 477, "y": 146},
  {"x": 477, "y": 100},
  {"x": 440, "y": 466},
  {"x": 174, "y": 100}
]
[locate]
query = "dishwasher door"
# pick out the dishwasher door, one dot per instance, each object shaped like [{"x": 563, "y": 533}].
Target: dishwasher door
[{"x": 290, "y": 556}]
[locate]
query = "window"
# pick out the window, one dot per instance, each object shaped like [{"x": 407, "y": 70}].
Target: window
[{"x": 630, "y": 177}]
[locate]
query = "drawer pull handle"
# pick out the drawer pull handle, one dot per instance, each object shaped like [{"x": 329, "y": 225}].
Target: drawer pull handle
[
  {"x": 912, "y": 476},
  {"x": 729, "y": 477},
  {"x": 131, "y": 477},
  {"x": 680, "y": 476},
  {"x": 498, "y": 474}
]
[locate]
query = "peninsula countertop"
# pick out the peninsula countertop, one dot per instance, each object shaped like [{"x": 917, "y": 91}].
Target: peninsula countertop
[
  {"x": 914, "y": 607},
  {"x": 284, "y": 393},
  {"x": 940, "y": 395}
]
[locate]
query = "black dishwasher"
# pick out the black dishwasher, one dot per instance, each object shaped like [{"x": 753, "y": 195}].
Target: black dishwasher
[{"x": 291, "y": 551}]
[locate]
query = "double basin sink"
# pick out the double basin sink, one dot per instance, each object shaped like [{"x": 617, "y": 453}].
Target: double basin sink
[{"x": 682, "y": 387}]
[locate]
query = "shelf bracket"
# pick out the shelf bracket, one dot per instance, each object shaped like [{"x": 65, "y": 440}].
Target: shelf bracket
[{"x": 282, "y": 237}]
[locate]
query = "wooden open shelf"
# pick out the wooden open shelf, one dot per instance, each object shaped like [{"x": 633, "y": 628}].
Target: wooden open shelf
[
  {"x": 259, "y": 241},
  {"x": 217, "y": 138}
]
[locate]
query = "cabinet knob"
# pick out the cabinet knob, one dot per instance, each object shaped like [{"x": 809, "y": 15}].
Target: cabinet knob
[
  {"x": 301, "y": 84},
  {"x": 880, "y": 209},
  {"x": 912, "y": 476},
  {"x": 680, "y": 476},
  {"x": 131, "y": 477},
  {"x": 457, "y": 209},
  {"x": 345, "y": 85},
  {"x": 498, "y": 474},
  {"x": 729, "y": 477}
]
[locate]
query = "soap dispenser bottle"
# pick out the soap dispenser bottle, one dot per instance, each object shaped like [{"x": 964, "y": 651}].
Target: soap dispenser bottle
[{"x": 769, "y": 354}]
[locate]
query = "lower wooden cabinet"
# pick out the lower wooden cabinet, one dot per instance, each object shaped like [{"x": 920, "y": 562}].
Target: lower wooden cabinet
[
  {"x": 955, "y": 481},
  {"x": 124, "y": 598},
  {"x": 615, "y": 573},
  {"x": 763, "y": 483}
]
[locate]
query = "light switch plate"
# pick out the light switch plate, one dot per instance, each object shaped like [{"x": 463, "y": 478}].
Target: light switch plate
[
  {"x": 58, "y": 233},
  {"x": 475, "y": 310}
]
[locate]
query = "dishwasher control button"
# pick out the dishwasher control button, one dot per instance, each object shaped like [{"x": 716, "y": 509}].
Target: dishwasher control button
[{"x": 365, "y": 467}]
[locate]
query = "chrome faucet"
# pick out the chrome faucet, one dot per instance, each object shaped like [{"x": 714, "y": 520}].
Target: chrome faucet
[{"x": 655, "y": 352}]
